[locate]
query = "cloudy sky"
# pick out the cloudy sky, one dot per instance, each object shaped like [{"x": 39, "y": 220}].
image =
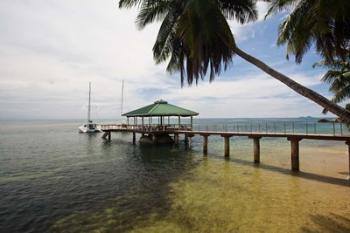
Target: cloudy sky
[{"x": 51, "y": 49}]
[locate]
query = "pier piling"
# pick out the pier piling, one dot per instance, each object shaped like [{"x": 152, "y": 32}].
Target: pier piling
[
  {"x": 227, "y": 145},
  {"x": 256, "y": 141},
  {"x": 294, "y": 153},
  {"x": 205, "y": 144},
  {"x": 348, "y": 143},
  {"x": 134, "y": 138},
  {"x": 292, "y": 136}
]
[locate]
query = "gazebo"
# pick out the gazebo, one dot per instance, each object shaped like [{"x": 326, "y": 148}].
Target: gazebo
[{"x": 162, "y": 111}]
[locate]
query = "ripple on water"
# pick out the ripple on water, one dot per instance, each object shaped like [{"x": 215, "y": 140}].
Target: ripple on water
[{"x": 64, "y": 182}]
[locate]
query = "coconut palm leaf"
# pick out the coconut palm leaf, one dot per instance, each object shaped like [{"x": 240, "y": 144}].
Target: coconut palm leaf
[
  {"x": 241, "y": 10},
  {"x": 194, "y": 34},
  {"x": 209, "y": 42},
  {"x": 323, "y": 23},
  {"x": 339, "y": 79},
  {"x": 196, "y": 40},
  {"x": 148, "y": 13},
  {"x": 131, "y": 3}
]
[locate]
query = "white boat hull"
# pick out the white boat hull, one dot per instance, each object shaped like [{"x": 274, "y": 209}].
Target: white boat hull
[{"x": 90, "y": 128}]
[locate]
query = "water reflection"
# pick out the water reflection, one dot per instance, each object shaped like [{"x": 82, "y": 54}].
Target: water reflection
[
  {"x": 69, "y": 182},
  {"x": 147, "y": 172}
]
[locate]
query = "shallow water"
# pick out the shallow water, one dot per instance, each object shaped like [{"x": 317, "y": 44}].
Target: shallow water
[{"x": 53, "y": 179}]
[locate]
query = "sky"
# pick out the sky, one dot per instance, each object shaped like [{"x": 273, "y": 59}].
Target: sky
[{"x": 51, "y": 49}]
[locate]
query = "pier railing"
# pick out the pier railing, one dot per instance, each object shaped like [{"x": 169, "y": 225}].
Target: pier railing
[
  {"x": 280, "y": 127},
  {"x": 146, "y": 128},
  {"x": 292, "y": 131},
  {"x": 287, "y": 127}
]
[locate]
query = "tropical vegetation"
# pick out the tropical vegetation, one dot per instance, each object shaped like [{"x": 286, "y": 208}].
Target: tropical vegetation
[
  {"x": 338, "y": 78},
  {"x": 323, "y": 24},
  {"x": 195, "y": 39}
]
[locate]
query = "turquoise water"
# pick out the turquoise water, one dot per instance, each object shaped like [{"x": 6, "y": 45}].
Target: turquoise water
[{"x": 53, "y": 179}]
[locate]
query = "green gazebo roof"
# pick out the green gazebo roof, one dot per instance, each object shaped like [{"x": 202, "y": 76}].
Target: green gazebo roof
[{"x": 160, "y": 108}]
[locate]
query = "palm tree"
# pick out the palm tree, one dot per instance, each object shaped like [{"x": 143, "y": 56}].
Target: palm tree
[
  {"x": 338, "y": 77},
  {"x": 195, "y": 37},
  {"x": 323, "y": 23}
]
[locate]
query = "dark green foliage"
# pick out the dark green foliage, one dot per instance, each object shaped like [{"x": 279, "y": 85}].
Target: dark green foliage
[
  {"x": 338, "y": 78},
  {"x": 324, "y": 24},
  {"x": 194, "y": 36}
]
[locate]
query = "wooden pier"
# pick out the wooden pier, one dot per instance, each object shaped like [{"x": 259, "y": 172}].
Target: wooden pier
[
  {"x": 164, "y": 132},
  {"x": 188, "y": 133}
]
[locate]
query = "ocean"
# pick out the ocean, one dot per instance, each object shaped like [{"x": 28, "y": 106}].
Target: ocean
[{"x": 53, "y": 179}]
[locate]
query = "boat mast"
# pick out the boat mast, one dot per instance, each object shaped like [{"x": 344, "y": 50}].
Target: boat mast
[
  {"x": 122, "y": 99},
  {"x": 89, "y": 106}
]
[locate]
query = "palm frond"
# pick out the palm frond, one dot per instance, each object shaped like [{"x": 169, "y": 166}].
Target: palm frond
[
  {"x": 330, "y": 76},
  {"x": 342, "y": 94},
  {"x": 166, "y": 42},
  {"x": 207, "y": 39},
  {"x": 149, "y": 12},
  {"x": 242, "y": 10},
  {"x": 323, "y": 24},
  {"x": 129, "y": 3},
  {"x": 279, "y": 5},
  {"x": 338, "y": 79}
]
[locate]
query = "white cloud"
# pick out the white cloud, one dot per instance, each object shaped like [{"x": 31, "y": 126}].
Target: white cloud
[
  {"x": 247, "y": 97},
  {"x": 51, "y": 49}
]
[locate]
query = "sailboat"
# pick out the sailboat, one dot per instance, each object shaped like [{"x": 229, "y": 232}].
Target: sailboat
[{"x": 90, "y": 127}]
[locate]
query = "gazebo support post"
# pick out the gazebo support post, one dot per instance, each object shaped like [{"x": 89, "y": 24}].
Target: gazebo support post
[
  {"x": 127, "y": 120},
  {"x": 162, "y": 112}
]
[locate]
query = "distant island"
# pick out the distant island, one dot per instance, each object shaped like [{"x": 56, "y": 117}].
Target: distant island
[{"x": 329, "y": 120}]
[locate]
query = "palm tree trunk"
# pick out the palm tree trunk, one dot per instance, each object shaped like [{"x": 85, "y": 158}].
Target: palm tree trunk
[{"x": 342, "y": 113}]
